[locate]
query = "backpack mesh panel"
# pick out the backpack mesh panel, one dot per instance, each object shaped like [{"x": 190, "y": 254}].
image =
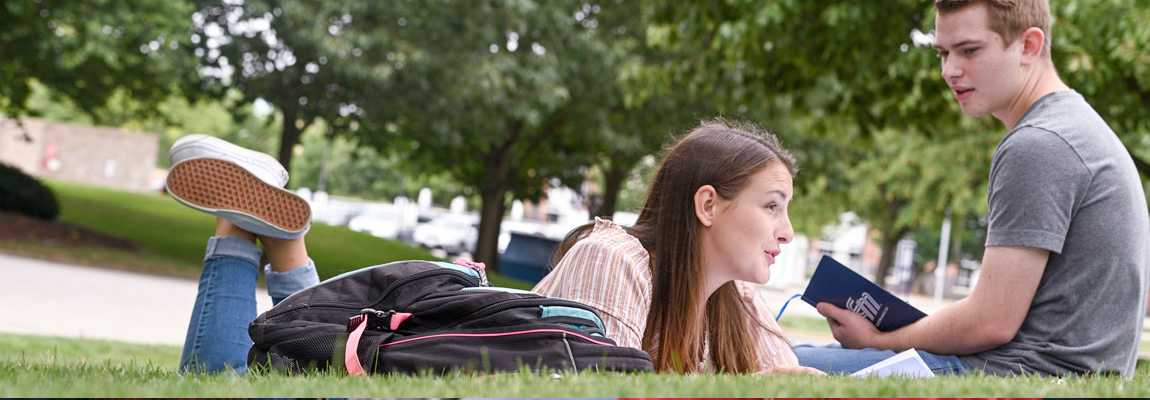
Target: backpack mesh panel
[{"x": 310, "y": 352}]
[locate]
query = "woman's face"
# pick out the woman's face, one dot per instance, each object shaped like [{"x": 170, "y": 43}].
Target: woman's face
[{"x": 746, "y": 231}]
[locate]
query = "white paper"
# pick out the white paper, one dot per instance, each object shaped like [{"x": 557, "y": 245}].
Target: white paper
[{"x": 906, "y": 364}]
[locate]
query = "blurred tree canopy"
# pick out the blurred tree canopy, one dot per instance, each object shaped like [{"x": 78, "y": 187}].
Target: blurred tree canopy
[
  {"x": 87, "y": 51},
  {"x": 645, "y": 112},
  {"x": 503, "y": 96},
  {"x": 856, "y": 109},
  {"x": 506, "y": 96},
  {"x": 362, "y": 171},
  {"x": 312, "y": 60},
  {"x": 1102, "y": 49}
]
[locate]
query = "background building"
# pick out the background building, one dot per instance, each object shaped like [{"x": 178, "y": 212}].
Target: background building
[{"x": 95, "y": 155}]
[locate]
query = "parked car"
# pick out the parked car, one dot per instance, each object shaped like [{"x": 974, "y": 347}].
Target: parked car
[
  {"x": 507, "y": 227},
  {"x": 559, "y": 231},
  {"x": 454, "y": 233},
  {"x": 379, "y": 220},
  {"x": 334, "y": 212}
]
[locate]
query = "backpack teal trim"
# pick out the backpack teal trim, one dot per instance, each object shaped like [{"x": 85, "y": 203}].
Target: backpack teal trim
[
  {"x": 560, "y": 311},
  {"x": 473, "y": 273},
  {"x": 550, "y": 311}
]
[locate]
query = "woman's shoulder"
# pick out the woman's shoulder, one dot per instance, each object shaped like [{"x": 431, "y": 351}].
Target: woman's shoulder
[
  {"x": 605, "y": 228},
  {"x": 607, "y": 246},
  {"x": 603, "y": 269},
  {"x": 610, "y": 238}
]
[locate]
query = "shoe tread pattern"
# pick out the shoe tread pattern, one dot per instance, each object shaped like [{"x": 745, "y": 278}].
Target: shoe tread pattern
[{"x": 220, "y": 185}]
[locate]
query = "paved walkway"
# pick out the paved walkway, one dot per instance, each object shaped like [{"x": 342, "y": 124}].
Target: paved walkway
[{"x": 47, "y": 298}]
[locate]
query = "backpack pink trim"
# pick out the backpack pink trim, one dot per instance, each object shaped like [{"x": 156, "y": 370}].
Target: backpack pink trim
[{"x": 498, "y": 335}]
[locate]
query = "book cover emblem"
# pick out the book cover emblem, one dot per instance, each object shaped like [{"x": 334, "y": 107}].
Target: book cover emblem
[
  {"x": 868, "y": 307},
  {"x": 836, "y": 284}
]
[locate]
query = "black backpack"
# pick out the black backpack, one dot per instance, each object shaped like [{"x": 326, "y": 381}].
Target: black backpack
[{"x": 416, "y": 316}]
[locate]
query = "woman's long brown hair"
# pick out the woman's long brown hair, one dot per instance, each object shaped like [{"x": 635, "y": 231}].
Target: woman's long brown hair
[{"x": 724, "y": 155}]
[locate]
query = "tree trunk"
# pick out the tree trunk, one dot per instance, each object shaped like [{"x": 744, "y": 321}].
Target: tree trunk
[
  {"x": 614, "y": 182},
  {"x": 956, "y": 231},
  {"x": 289, "y": 136},
  {"x": 490, "y": 217},
  {"x": 889, "y": 248},
  {"x": 889, "y": 245},
  {"x": 890, "y": 237},
  {"x": 493, "y": 192}
]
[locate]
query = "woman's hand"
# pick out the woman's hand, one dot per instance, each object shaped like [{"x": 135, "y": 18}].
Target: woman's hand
[{"x": 790, "y": 370}]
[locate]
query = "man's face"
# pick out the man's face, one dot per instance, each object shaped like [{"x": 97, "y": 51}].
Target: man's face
[{"x": 984, "y": 74}]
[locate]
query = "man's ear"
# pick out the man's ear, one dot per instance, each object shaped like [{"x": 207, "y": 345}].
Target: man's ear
[
  {"x": 705, "y": 204},
  {"x": 1032, "y": 41}
]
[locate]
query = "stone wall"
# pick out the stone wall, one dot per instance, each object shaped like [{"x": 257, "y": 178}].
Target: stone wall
[{"x": 95, "y": 155}]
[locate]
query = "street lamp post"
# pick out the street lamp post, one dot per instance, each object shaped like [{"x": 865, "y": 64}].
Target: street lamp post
[{"x": 940, "y": 269}]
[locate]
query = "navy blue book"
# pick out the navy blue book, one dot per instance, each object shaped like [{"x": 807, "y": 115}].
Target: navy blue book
[{"x": 836, "y": 284}]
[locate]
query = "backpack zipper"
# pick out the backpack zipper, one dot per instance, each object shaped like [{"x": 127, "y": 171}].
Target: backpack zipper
[
  {"x": 386, "y": 291},
  {"x": 478, "y": 267},
  {"x": 525, "y": 332},
  {"x": 513, "y": 303},
  {"x": 483, "y": 276}
]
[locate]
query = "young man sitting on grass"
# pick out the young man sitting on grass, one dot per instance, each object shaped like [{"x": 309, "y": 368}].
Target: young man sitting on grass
[{"x": 1064, "y": 276}]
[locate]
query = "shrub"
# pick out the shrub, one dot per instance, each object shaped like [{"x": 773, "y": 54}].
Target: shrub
[{"x": 23, "y": 194}]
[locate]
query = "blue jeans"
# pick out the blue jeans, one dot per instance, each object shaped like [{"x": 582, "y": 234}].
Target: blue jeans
[
  {"x": 217, "y": 339},
  {"x": 833, "y": 359}
]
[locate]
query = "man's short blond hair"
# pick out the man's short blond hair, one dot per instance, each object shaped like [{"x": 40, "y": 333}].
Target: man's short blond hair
[{"x": 1008, "y": 18}]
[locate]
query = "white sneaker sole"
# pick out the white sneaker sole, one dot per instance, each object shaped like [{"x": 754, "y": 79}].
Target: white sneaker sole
[{"x": 228, "y": 191}]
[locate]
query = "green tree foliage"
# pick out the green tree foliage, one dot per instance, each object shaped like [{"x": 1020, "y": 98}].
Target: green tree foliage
[
  {"x": 967, "y": 241},
  {"x": 87, "y": 51},
  {"x": 849, "y": 104},
  {"x": 633, "y": 134},
  {"x": 808, "y": 58},
  {"x": 312, "y": 60},
  {"x": 1102, "y": 49},
  {"x": 906, "y": 181},
  {"x": 362, "y": 171},
  {"x": 633, "y": 191},
  {"x": 502, "y": 95},
  {"x": 222, "y": 118},
  {"x": 643, "y": 111}
]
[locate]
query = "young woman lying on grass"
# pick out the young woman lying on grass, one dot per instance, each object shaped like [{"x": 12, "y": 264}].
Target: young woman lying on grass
[{"x": 674, "y": 285}]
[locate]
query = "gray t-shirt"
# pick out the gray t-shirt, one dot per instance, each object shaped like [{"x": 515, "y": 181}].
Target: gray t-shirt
[{"x": 1062, "y": 181}]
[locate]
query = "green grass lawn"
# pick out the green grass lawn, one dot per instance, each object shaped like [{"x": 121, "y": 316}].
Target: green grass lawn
[
  {"x": 51, "y": 367},
  {"x": 173, "y": 236}
]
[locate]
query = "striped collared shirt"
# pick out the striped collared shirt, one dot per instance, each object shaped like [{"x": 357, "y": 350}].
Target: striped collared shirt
[{"x": 609, "y": 271}]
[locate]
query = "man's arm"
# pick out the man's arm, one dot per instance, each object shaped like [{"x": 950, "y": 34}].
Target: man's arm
[{"x": 987, "y": 319}]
